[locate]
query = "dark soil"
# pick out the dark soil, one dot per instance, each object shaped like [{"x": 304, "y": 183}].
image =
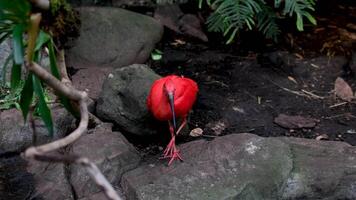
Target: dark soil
[{"x": 243, "y": 88}]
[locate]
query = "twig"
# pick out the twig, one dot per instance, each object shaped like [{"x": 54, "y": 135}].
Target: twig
[
  {"x": 312, "y": 94},
  {"x": 54, "y": 83},
  {"x": 62, "y": 67},
  {"x": 338, "y": 104},
  {"x": 303, "y": 92}
]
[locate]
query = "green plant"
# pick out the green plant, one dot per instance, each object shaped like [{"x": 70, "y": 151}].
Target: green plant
[
  {"x": 9, "y": 99},
  {"x": 156, "y": 55},
  {"x": 21, "y": 21},
  {"x": 232, "y": 16},
  {"x": 15, "y": 22}
]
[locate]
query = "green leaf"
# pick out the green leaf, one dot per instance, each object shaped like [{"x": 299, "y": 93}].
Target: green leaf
[
  {"x": 299, "y": 22},
  {"x": 42, "y": 39},
  {"x": 156, "y": 54},
  {"x": 200, "y": 4},
  {"x": 15, "y": 76},
  {"x": 310, "y": 18},
  {"x": 43, "y": 109},
  {"x": 232, "y": 36},
  {"x": 277, "y": 3},
  {"x": 26, "y": 96},
  {"x": 18, "y": 44},
  {"x": 14, "y": 10},
  {"x": 53, "y": 60}
]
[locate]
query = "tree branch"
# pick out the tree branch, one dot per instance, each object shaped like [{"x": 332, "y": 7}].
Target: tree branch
[
  {"x": 54, "y": 83},
  {"x": 42, "y": 4},
  {"x": 62, "y": 67},
  {"x": 84, "y": 118}
]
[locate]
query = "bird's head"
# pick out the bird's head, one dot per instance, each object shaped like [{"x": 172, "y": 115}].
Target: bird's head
[{"x": 169, "y": 90}]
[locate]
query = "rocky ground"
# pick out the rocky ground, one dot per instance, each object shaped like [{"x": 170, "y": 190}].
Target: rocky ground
[{"x": 265, "y": 114}]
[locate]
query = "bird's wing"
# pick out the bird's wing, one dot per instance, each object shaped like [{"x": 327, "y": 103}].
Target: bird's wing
[{"x": 186, "y": 92}]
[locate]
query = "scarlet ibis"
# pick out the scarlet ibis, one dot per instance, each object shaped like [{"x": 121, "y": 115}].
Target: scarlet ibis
[{"x": 172, "y": 97}]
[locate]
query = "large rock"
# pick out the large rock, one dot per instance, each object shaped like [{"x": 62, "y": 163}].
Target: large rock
[
  {"x": 110, "y": 151},
  {"x": 50, "y": 180},
  {"x": 245, "y": 166},
  {"x": 90, "y": 80},
  {"x": 15, "y": 135},
  {"x": 5, "y": 50},
  {"x": 113, "y": 37},
  {"x": 15, "y": 181},
  {"x": 123, "y": 99}
]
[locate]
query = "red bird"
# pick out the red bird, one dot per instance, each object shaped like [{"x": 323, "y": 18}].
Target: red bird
[{"x": 172, "y": 97}]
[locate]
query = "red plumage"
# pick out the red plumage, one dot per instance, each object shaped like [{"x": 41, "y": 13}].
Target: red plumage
[
  {"x": 166, "y": 92},
  {"x": 185, "y": 95}
]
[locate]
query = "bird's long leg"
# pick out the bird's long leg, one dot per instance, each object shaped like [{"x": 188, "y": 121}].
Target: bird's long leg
[
  {"x": 168, "y": 152},
  {"x": 171, "y": 150},
  {"x": 184, "y": 122}
]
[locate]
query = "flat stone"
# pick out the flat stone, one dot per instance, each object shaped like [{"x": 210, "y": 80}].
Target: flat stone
[
  {"x": 246, "y": 166},
  {"x": 110, "y": 151}
]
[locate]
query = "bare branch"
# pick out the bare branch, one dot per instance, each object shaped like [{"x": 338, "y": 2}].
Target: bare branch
[
  {"x": 84, "y": 118},
  {"x": 42, "y": 4},
  {"x": 54, "y": 83},
  {"x": 62, "y": 67},
  {"x": 99, "y": 178}
]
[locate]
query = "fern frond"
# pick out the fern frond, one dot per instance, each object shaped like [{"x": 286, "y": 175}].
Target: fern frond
[
  {"x": 301, "y": 9},
  {"x": 231, "y": 16},
  {"x": 267, "y": 23}
]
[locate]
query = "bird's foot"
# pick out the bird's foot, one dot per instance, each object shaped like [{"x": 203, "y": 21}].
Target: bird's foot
[
  {"x": 172, "y": 152},
  {"x": 175, "y": 156},
  {"x": 171, "y": 147}
]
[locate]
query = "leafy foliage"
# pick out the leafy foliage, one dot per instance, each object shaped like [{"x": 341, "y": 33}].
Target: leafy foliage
[
  {"x": 13, "y": 13},
  {"x": 232, "y": 16},
  {"x": 9, "y": 99},
  {"x": 23, "y": 94}
]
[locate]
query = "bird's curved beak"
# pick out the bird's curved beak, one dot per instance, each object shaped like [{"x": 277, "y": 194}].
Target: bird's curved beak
[{"x": 171, "y": 103}]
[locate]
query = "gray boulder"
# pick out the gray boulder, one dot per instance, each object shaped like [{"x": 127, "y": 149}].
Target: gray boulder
[
  {"x": 113, "y": 37},
  {"x": 123, "y": 99},
  {"x": 110, "y": 151},
  {"x": 246, "y": 166},
  {"x": 50, "y": 181},
  {"x": 15, "y": 135},
  {"x": 90, "y": 80},
  {"x": 15, "y": 181}
]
